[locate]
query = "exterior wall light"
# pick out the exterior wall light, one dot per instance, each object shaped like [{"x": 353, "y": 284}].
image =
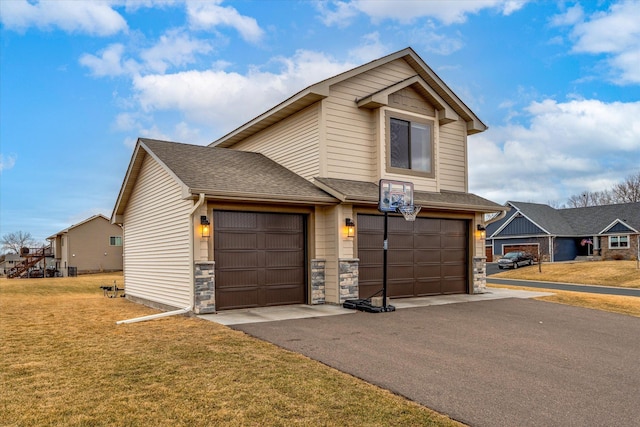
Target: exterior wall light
[
  {"x": 351, "y": 227},
  {"x": 204, "y": 226},
  {"x": 481, "y": 232}
]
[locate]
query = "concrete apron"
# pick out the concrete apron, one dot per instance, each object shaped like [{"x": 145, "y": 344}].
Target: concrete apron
[{"x": 302, "y": 311}]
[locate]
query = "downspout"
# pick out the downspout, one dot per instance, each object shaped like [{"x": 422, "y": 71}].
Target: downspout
[
  {"x": 155, "y": 316},
  {"x": 192, "y": 244}
]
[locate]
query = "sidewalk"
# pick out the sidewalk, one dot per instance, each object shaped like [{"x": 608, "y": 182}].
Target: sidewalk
[{"x": 302, "y": 311}]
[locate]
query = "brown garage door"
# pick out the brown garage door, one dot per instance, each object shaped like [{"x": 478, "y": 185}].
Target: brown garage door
[
  {"x": 425, "y": 257},
  {"x": 260, "y": 259}
]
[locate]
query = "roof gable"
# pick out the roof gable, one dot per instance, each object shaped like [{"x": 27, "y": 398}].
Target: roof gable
[
  {"x": 432, "y": 87},
  {"x": 222, "y": 173},
  {"x": 592, "y": 220},
  {"x": 66, "y": 230}
]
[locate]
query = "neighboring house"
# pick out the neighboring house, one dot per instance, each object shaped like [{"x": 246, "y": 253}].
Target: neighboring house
[
  {"x": 10, "y": 262},
  {"x": 91, "y": 246},
  {"x": 259, "y": 216},
  {"x": 609, "y": 231}
]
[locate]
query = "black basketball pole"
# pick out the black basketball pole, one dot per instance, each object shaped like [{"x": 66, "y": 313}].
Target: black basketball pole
[{"x": 385, "y": 246}]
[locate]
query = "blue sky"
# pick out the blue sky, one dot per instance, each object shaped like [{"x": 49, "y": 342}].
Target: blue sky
[{"x": 558, "y": 84}]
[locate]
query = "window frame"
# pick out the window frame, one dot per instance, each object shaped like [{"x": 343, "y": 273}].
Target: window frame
[
  {"x": 411, "y": 119},
  {"x": 114, "y": 239},
  {"x": 617, "y": 238}
]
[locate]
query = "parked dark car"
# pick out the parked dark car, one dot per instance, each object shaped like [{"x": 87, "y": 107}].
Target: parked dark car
[{"x": 515, "y": 260}]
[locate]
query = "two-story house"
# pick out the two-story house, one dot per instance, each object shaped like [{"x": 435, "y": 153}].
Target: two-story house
[
  {"x": 90, "y": 246},
  {"x": 259, "y": 217}
]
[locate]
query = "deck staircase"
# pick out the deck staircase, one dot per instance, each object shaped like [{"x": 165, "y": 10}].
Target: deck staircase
[{"x": 31, "y": 258}]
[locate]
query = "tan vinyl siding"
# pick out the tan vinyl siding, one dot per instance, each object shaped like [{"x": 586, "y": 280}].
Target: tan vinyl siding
[
  {"x": 453, "y": 156},
  {"x": 89, "y": 249},
  {"x": 326, "y": 248},
  {"x": 293, "y": 142},
  {"x": 350, "y": 131},
  {"x": 156, "y": 240}
]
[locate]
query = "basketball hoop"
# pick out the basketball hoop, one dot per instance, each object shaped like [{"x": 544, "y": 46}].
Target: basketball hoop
[{"x": 409, "y": 211}]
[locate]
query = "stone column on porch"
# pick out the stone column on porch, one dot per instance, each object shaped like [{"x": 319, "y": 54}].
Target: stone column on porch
[
  {"x": 204, "y": 287},
  {"x": 318, "y": 281},
  {"x": 348, "y": 278},
  {"x": 479, "y": 275}
]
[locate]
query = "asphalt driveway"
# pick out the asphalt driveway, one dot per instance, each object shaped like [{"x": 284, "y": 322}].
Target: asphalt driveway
[{"x": 508, "y": 362}]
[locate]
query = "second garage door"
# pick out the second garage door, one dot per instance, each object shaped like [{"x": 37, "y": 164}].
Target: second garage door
[
  {"x": 425, "y": 257},
  {"x": 260, "y": 259}
]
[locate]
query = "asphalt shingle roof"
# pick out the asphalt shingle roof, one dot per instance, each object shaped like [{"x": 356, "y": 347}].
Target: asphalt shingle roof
[
  {"x": 579, "y": 221},
  {"x": 226, "y": 172},
  {"x": 360, "y": 191}
]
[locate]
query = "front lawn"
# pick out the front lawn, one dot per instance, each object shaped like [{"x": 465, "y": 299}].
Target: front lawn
[
  {"x": 605, "y": 273},
  {"x": 64, "y": 361}
]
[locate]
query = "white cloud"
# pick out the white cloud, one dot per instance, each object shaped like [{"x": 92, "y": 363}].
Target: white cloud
[
  {"x": 109, "y": 62},
  {"x": 614, "y": 33},
  {"x": 338, "y": 13},
  {"x": 222, "y": 99},
  {"x": 208, "y": 15},
  {"x": 175, "y": 48},
  {"x": 7, "y": 163},
  {"x": 371, "y": 49},
  {"x": 565, "y": 149},
  {"x": 407, "y": 11},
  {"x": 88, "y": 17}
]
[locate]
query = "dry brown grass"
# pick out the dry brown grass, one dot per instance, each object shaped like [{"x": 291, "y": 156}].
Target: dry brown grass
[
  {"x": 612, "y": 303},
  {"x": 606, "y": 273},
  {"x": 65, "y": 362}
]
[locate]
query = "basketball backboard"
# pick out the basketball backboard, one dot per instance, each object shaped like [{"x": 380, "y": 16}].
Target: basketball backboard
[{"x": 394, "y": 194}]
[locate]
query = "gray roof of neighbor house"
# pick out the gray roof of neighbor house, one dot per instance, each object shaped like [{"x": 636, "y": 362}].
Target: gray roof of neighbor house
[
  {"x": 224, "y": 174},
  {"x": 369, "y": 193},
  {"x": 320, "y": 90},
  {"x": 577, "y": 222}
]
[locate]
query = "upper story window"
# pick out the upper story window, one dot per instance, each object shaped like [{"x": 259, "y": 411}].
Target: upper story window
[
  {"x": 617, "y": 242},
  {"x": 410, "y": 145},
  {"x": 115, "y": 241}
]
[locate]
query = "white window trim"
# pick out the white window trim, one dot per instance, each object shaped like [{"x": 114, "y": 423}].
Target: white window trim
[
  {"x": 617, "y": 237},
  {"x": 114, "y": 239}
]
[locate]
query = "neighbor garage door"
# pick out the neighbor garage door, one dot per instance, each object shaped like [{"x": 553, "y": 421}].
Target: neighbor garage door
[
  {"x": 259, "y": 259},
  {"x": 425, "y": 257}
]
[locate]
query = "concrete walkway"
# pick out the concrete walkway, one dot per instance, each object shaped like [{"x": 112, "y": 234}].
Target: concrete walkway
[{"x": 301, "y": 311}]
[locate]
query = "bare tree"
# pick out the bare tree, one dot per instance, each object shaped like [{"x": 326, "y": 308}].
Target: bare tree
[
  {"x": 13, "y": 242},
  {"x": 628, "y": 191}
]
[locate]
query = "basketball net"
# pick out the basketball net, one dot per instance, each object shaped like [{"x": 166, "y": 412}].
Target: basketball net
[{"x": 409, "y": 211}]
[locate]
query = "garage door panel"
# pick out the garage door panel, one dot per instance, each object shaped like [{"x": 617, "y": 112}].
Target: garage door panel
[
  {"x": 237, "y": 278},
  {"x": 424, "y": 271},
  {"x": 238, "y": 220},
  {"x": 238, "y": 240},
  {"x": 423, "y": 241},
  {"x": 284, "y": 259},
  {"x": 283, "y": 276},
  {"x": 370, "y": 256},
  {"x": 450, "y": 255},
  {"x": 238, "y": 298},
  {"x": 426, "y": 287},
  {"x": 423, "y": 255},
  {"x": 283, "y": 241},
  {"x": 238, "y": 259},
  {"x": 427, "y": 225},
  {"x": 426, "y": 257},
  {"x": 454, "y": 285},
  {"x": 400, "y": 256},
  {"x": 283, "y": 295}
]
